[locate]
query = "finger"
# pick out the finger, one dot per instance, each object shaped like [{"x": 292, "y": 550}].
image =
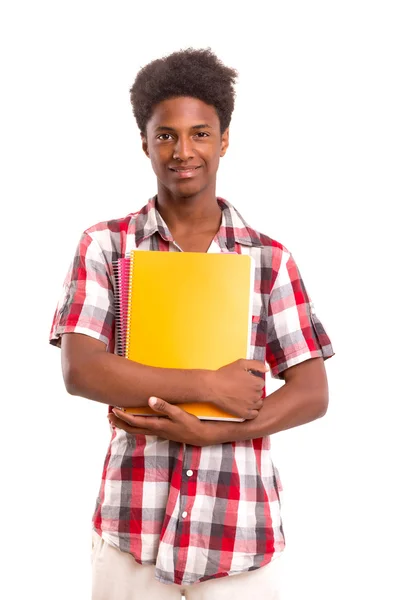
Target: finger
[
  {"x": 129, "y": 418},
  {"x": 138, "y": 421},
  {"x": 255, "y": 365},
  {"x": 120, "y": 424},
  {"x": 143, "y": 432},
  {"x": 259, "y": 383},
  {"x": 252, "y": 414}
]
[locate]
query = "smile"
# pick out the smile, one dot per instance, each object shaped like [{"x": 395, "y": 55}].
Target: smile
[{"x": 184, "y": 172}]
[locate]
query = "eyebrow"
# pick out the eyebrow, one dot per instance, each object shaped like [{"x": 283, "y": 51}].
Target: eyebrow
[{"x": 201, "y": 126}]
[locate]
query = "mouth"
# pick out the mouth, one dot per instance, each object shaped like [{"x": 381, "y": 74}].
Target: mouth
[{"x": 184, "y": 172}]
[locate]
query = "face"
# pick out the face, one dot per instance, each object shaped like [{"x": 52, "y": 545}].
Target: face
[{"x": 184, "y": 143}]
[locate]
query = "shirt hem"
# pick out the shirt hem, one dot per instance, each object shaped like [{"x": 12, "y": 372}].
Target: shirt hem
[{"x": 221, "y": 575}]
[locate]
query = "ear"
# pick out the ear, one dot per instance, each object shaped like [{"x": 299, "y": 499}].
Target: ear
[
  {"x": 224, "y": 142},
  {"x": 145, "y": 145}
]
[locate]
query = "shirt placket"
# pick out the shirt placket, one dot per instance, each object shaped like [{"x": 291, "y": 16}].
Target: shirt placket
[{"x": 190, "y": 466}]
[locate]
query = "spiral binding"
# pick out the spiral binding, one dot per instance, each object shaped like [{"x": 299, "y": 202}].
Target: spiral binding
[
  {"x": 119, "y": 341},
  {"x": 128, "y": 304}
]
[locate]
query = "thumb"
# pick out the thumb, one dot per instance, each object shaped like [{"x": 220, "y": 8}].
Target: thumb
[{"x": 162, "y": 406}]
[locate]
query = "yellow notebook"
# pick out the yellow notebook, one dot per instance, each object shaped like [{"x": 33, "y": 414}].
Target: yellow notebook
[{"x": 189, "y": 310}]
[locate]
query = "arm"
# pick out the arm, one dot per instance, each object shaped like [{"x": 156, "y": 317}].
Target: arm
[
  {"x": 92, "y": 372},
  {"x": 302, "y": 399},
  {"x": 84, "y": 322}
]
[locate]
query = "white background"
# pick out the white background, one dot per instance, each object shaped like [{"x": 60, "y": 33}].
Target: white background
[{"x": 313, "y": 162}]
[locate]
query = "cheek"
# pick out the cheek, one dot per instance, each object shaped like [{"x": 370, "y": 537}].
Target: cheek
[
  {"x": 211, "y": 158},
  {"x": 215, "y": 162},
  {"x": 156, "y": 163},
  {"x": 159, "y": 160}
]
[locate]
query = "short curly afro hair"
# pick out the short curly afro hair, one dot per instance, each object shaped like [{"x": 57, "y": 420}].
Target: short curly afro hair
[{"x": 194, "y": 73}]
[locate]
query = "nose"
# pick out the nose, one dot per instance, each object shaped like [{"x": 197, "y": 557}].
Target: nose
[{"x": 183, "y": 149}]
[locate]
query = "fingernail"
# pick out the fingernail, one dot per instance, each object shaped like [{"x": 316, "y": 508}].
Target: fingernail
[{"x": 152, "y": 401}]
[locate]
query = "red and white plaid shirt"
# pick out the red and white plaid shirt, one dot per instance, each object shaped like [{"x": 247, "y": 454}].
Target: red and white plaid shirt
[{"x": 195, "y": 513}]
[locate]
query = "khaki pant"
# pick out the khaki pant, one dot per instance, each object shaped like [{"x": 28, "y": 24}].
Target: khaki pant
[{"x": 117, "y": 576}]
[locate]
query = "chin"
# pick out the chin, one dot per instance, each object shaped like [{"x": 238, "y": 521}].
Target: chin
[{"x": 185, "y": 191}]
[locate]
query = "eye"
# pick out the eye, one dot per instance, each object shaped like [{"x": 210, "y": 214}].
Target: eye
[
  {"x": 202, "y": 134},
  {"x": 164, "y": 136}
]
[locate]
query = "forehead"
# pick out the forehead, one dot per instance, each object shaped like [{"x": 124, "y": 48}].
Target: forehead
[{"x": 183, "y": 112}]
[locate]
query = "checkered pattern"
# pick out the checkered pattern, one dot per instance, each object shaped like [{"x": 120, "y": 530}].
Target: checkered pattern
[{"x": 196, "y": 513}]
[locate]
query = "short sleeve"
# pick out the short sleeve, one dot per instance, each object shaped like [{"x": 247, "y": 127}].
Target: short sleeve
[
  {"x": 294, "y": 332},
  {"x": 87, "y": 302}
]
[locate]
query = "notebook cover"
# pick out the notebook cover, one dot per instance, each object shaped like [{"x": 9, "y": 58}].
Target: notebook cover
[{"x": 188, "y": 310}]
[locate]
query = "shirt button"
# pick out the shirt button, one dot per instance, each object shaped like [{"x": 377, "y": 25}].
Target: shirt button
[
  {"x": 184, "y": 515},
  {"x": 189, "y": 473}
]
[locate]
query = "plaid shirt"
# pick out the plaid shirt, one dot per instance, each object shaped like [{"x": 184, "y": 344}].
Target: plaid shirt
[{"x": 195, "y": 513}]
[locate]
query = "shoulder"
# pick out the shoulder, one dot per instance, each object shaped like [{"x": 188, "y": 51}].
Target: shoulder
[
  {"x": 248, "y": 235},
  {"x": 268, "y": 242},
  {"x": 113, "y": 236},
  {"x": 113, "y": 226},
  {"x": 273, "y": 251}
]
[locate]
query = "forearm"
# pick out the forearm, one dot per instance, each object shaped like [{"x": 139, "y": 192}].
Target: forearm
[
  {"x": 289, "y": 406},
  {"x": 117, "y": 381}
]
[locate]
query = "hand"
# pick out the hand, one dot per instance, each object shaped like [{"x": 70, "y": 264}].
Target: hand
[
  {"x": 179, "y": 426},
  {"x": 236, "y": 390}
]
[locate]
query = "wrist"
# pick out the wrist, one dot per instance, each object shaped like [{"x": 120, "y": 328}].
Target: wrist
[
  {"x": 226, "y": 432},
  {"x": 206, "y": 385},
  {"x": 218, "y": 432}
]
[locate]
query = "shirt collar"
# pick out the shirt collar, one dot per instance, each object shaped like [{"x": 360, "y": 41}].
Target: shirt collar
[{"x": 234, "y": 228}]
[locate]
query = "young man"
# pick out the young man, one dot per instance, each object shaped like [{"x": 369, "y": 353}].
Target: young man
[{"x": 184, "y": 502}]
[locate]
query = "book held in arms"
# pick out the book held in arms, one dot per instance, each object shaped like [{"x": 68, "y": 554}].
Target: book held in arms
[{"x": 184, "y": 310}]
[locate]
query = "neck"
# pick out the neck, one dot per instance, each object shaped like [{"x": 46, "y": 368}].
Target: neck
[{"x": 192, "y": 214}]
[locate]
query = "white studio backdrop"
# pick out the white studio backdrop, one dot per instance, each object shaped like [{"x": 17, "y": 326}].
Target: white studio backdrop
[{"x": 313, "y": 163}]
